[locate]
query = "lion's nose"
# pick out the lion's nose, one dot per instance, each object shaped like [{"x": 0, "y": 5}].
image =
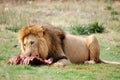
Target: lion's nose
[{"x": 28, "y": 53}]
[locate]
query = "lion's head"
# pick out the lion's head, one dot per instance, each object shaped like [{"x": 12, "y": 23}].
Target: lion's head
[{"x": 33, "y": 42}]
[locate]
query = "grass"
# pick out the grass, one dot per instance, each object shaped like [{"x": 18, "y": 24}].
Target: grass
[
  {"x": 87, "y": 29},
  {"x": 13, "y": 20},
  {"x": 61, "y": 14},
  {"x": 113, "y": 12}
]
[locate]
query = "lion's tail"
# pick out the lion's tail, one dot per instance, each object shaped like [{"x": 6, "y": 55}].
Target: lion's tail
[{"x": 109, "y": 62}]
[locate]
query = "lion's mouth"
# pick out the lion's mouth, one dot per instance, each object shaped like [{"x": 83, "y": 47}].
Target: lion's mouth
[{"x": 32, "y": 55}]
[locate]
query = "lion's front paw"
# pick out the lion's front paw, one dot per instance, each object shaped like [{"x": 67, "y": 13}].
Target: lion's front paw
[{"x": 59, "y": 64}]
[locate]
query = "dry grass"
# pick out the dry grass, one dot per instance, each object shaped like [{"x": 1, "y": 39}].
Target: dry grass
[{"x": 66, "y": 13}]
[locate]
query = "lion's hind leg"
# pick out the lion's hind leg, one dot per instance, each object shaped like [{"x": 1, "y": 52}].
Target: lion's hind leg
[{"x": 94, "y": 49}]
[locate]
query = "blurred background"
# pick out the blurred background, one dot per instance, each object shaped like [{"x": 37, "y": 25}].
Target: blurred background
[{"x": 16, "y": 13}]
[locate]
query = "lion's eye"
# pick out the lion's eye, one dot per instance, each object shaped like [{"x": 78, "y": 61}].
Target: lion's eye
[{"x": 32, "y": 42}]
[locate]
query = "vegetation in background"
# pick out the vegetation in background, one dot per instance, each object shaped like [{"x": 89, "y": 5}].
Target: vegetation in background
[
  {"x": 13, "y": 20},
  {"x": 87, "y": 29},
  {"x": 109, "y": 7},
  {"x": 115, "y": 28},
  {"x": 113, "y": 12}
]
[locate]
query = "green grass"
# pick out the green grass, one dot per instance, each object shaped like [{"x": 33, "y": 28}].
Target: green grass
[
  {"x": 65, "y": 14},
  {"x": 87, "y": 29},
  {"x": 77, "y": 72}
]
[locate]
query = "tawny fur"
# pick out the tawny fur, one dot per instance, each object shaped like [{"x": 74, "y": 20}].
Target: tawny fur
[{"x": 81, "y": 50}]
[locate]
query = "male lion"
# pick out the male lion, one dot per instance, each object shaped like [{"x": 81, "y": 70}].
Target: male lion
[
  {"x": 51, "y": 42},
  {"x": 42, "y": 41}
]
